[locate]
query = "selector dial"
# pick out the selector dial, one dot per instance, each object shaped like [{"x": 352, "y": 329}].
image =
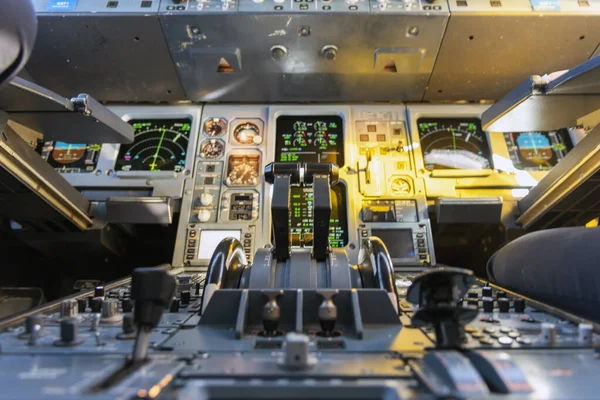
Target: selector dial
[
  {"x": 206, "y": 199},
  {"x": 215, "y": 126},
  {"x": 212, "y": 149},
  {"x": 203, "y": 215}
]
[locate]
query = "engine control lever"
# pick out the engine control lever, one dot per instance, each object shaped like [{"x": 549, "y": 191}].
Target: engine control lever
[
  {"x": 438, "y": 293},
  {"x": 152, "y": 290}
]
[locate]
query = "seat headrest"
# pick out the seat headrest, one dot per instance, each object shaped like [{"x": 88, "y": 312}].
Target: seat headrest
[{"x": 18, "y": 27}]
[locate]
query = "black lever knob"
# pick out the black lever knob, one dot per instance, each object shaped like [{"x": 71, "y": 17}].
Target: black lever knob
[
  {"x": 96, "y": 304},
  {"x": 438, "y": 293},
  {"x": 152, "y": 290},
  {"x": 127, "y": 305},
  {"x": 271, "y": 312},
  {"x": 81, "y": 305},
  {"x": 327, "y": 311}
]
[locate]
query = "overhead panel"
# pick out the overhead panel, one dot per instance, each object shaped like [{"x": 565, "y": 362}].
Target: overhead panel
[
  {"x": 278, "y": 52},
  {"x": 491, "y": 46},
  {"x": 114, "y": 53}
]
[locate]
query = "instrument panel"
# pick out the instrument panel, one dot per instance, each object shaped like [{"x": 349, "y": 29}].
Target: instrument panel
[
  {"x": 70, "y": 157},
  {"x": 537, "y": 151},
  {"x": 159, "y": 145},
  {"x": 449, "y": 143}
]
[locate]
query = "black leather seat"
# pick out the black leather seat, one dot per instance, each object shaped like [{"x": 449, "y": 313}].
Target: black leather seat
[
  {"x": 560, "y": 267},
  {"x": 18, "y": 27}
]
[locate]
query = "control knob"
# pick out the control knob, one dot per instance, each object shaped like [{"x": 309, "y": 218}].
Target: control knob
[
  {"x": 110, "y": 311},
  {"x": 503, "y": 304},
  {"x": 519, "y": 305},
  {"x": 127, "y": 305},
  {"x": 203, "y": 215},
  {"x": 99, "y": 291},
  {"x": 69, "y": 333},
  {"x": 488, "y": 304},
  {"x": 486, "y": 291},
  {"x": 68, "y": 308},
  {"x": 206, "y": 199},
  {"x": 31, "y": 321},
  {"x": 175, "y": 303},
  {"x": 185, "y": 297},
  {"x": 96, "y": 304},
  {"x": 81, "y": 305}
]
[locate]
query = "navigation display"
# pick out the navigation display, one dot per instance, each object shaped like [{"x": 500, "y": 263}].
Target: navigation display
[
  {"x": 313, "y": 139},
  {"x": 452, "y": 143},
  {"x": 310, "y": 139},
  {"x": 537, "y": 151},
  {"x": 70, "y": 157},
  {"x": 301, "y": 216},
  {"x": 159, "y": 145}
]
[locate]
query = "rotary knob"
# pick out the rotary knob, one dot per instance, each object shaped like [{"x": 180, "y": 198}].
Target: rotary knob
[
  {"x": 204, "y": 215},
  {"x": 110, "y": 311},
  {"x": 69, "y": 333},
  {"x": 488, "y": 304},
  {"x": 68, "y": 308},
  {"x": 31, "y": 321},
  {"x": 96, "y": 304},
  {"x": 206, "y": 199}
]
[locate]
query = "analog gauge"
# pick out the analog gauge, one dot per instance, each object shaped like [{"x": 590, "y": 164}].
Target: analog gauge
[
  {"x": 247, "y": 133},
  {"x": 158, "y": 145},
  {"x": 400, "y": 186},
  {"x": 320, "y": 126},
  {"x": 450, "y": 143},
  {"x": 215, "y": 126},
  {"x": 212, "y": 148},
  {"x": 243, "y": 169}
]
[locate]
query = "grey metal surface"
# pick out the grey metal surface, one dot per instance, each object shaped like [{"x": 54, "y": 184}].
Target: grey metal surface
[
  {"x": 111, "y": 56},
  {"x": 79, "y": 120},
  {"x": 33, "y": 193},
  {"x": 140, "y": 210},
  {"x": 161, "y": 183},
  {"x": 485, "y": 53},
  {"x": 366, "y": 43}
]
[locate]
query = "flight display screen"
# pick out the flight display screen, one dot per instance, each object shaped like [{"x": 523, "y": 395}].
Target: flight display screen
[
  {"x": 70, "y": 157},
  {"x": 313, "y": 139},
  {"x": 537, "y": 151},
  {"x": 452, "y": 143},
  {"x": 310, "y": 139},
  {"x": 399, "y": 242},
  {"x": 159, "y": 145}
]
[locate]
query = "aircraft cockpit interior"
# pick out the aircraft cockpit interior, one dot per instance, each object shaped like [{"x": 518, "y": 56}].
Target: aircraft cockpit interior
[{"x": 299, "y": 199}]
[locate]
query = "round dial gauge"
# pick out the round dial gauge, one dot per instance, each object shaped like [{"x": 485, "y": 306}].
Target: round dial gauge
[
  {"x": 159, "y": 145},
  {"x": 215, "y": 126},
  {"x": 449, "y": 143},
  {"x": 243, "y": 170},
  {"x": 212, "y": 148},
  {"x": 247, "y": 133},
  {"x": 400, "y": 186}
]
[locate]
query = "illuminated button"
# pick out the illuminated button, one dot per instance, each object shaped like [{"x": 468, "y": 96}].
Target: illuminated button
[
  {"x": 170, "y": 8},
  {"x": 524, "y": 341},
  {"x": 278, "y": 1},
  {"x": 364, "y": 233},
  {"x": 191, "y": 251},
  {"x": 437, "y": 8},
  {"x": 193, "y": 233},
  {"x": 426, "y": 8},
  {"x": 189, "y": 257},
  {"x": 278, "y": 8},
  {"x": 423, "y": 256},
  {"x": 326, "y": 8},
  {"x": 112, "y": 4},
  {"x": 353, "y": 8},
  {"x": 181, "y": 8},
  {"x": 420, "y": 235},
  {"x": 304, "y": 6},
  {"x": 505, "y": 340},
  {"x": 421, "y": 242}
]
